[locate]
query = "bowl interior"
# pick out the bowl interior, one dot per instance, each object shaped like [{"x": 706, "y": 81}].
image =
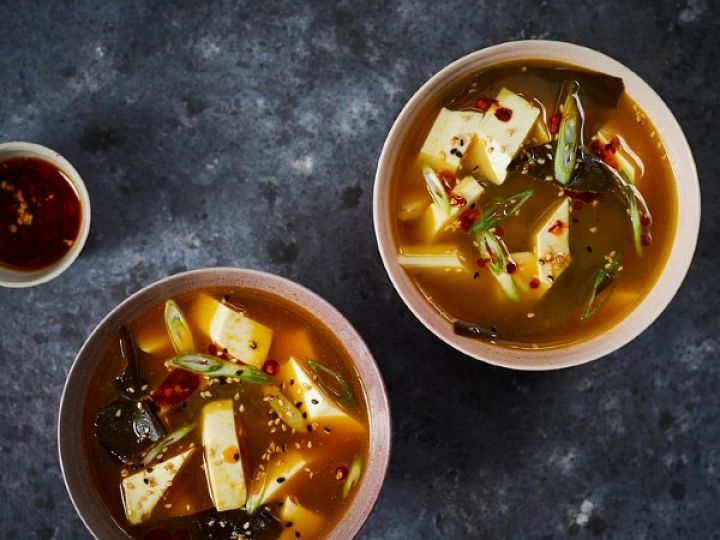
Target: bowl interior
[
  {"x": 76, "y": 471},
  {"x": 15, "y": 278},
  {"x": 687, "y": 187}
]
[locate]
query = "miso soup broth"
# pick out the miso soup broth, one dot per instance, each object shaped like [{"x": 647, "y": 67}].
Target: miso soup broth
[
  {"x": 227, "y": 415},
  {"x": 535, "y": 205}
]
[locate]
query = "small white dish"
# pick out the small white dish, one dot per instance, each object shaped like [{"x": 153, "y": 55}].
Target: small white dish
[
  {"x": 683, "y": 244},
  {"x": 20, "y": 278}
]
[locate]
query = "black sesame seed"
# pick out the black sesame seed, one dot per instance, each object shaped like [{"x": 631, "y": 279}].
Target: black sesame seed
[
  {"x": 314, "y": 401},
  {"x": 588, "y": 249},
  {"x": 309, "y": 428},
  {"x": 476, "y": 275},
  {"x": 280, "y": 480},
  {"x": 289, "y": 524}
]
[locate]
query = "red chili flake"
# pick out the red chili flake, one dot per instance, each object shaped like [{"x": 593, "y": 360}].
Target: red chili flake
[
  {"x": 554, "y": 123},
  {"x": 499, "y": 231},
  {"x": 646, "y": 239},
  {"x": 577, "y": 205},
  {"x": 614, "y": 145},
  {"x": 212, "y": 349},
  {"x": 270, "y": 367},
  {"x": 481, "y": 262},
  {"x": 556, "y": 228},
  {"x": 603, "y": 153},
  {"x": 534, "y": 283},
  {"x": 177, "y": 387},
  {"x": 511, "y": 267},
  {"x": 503, "y": 114},
  {"x": 468, "y": 218},
  {"x": 448, "y": 180},
  {"x": 484, "y": 103},
  {"x": 645, "y": 221},
  {"x": 341, "y": 472}
]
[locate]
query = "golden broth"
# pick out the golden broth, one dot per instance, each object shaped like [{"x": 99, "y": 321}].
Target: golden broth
[
  {"x": 187, "y": 501},
  {"x": 595, "y": 231}
]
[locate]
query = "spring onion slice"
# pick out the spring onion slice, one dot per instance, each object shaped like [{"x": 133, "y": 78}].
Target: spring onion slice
[
  {"x": 569, "y": 136},
  {"x": 436, "y": 190},
  {"x": 178, "y": 328},
  {"x": 212, "y": 366},
  {"x": 165, "y": 443},
  {"x": 353, "y": 475},
  {"x": 258, "y": 485},
  {"x": 500, "y": 209},
  {"x": 497, "y": 255},
  {"x": 345, "y": 395},
  {"x": 603, "y": 285},
  {"x": 286, "y": 411}
]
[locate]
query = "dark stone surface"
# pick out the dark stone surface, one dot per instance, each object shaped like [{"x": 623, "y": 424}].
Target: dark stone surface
[{"x": 247, "y": 134}]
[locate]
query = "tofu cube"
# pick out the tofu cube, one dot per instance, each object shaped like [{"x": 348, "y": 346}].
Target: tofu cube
[
  {"x": 270, "y": 482},
  {"x": 449, "y": 138},
  {"x": 626, "y": 164},
  {"x": 224, "y": 466},
  {"x": 497, "y": 141},
  {"x": 435, "y": 219},
  {"x": 244, "y": 338},
  {"x": 143, "y": 490},
  {"x": 526, "y": 276},
  {"x": 305, "y": 522},
  {"x": 540, "y": 133},
  {"x": 552, "y": 242},
  {"x": 318, "y": 405},
  {"x": 432, "y": 257}
]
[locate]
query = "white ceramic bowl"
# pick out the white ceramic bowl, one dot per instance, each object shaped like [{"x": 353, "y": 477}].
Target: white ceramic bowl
[
  {"x": 688, "y": 198},
  {"x": 15, "y": 278}
]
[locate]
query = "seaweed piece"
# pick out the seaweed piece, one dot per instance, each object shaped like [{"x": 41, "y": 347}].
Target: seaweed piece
[
  {"x": 474, "y": 331},
  {"x": 233, "y": 524},
  {"x": 125, "y": 427},
  {"x": 129, "y": 376}
]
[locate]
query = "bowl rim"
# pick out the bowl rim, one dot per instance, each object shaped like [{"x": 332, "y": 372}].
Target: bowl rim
[
  {"x": 50, "y": 272},
  {"x": 76, "y": 470},
  {"x": 676, "y": 264}
]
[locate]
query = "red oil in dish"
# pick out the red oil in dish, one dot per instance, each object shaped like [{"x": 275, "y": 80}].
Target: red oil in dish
[{"x": 40, "y": 214}]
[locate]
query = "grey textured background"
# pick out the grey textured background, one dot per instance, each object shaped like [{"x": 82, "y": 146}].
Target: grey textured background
[{"x": 247, "y": 134}]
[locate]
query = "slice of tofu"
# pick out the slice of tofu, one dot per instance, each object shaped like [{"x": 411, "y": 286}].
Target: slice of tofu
[
  {"x": 497, "y": 142},
  {"x": 552, "y": 242},
  {"x": 270, "y": 482},
  {"x": 526, "y": 275},
  {"x": 244, "y": 338},
  {"x": 224, "y": 466},
  {"x": 435, "y": 220},
  {"x": 142, "y": 491},
  {"x": 449, "y": 138},
  {"x": 540, "y": 133},
  {"x": 298, "y": 519},
  {"x": 317, "y": 404},
  {"x": 627, "y": 163},
  {"x": 433, "y": 257},
  {"x": 413, "y": 209}
]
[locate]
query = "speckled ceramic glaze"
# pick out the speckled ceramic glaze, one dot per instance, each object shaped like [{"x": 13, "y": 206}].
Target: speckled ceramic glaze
[
  {"x": 683, "y": 247},
  {"x": 70, "y": 429}
]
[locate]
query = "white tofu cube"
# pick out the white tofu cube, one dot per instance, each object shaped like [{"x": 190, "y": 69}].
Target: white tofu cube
[
  {"x": 318, "y": 405},
  {"x": 305, "y": 522},
  {"x": 143, "y": 490},
  {"x": 552, "y": 242},
  {"x": 432, "y": 257},
  {"x": 498, "y": 141},
  {"x": 244, "y": 338},
  {"x": 224, "y": 466},
  {"x": 449, "y": 138},
  {"x": 268, "y": 483},
  {"x": 436, "y": 219},
  {"x": 626, "y": 161}
]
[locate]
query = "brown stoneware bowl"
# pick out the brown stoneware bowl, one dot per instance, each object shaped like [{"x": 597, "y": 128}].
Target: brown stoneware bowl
[{"x": 72, "y": 431}]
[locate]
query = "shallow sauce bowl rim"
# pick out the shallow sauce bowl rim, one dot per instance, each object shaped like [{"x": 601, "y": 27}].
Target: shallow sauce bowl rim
[
  {"x": 75, "y": 468},
  {"x": 678, "y": 260}
]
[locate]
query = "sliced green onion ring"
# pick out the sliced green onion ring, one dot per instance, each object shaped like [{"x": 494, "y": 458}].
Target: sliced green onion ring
[
  {"x": 162, "y": 445},
  {"x": 178, "y": 328},
  {"x": 345, "y": 395},
  {"x": 212, "y": 366}
]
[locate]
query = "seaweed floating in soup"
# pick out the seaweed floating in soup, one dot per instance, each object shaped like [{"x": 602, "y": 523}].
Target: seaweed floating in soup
[
  {"x": 535, "y": 204},
  {"x": 228, "y": 416}
]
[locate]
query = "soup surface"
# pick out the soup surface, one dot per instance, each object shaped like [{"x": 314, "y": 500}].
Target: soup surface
[
  {"x": 535, "y": 205},
  {"x": 226, "y": 414}
]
